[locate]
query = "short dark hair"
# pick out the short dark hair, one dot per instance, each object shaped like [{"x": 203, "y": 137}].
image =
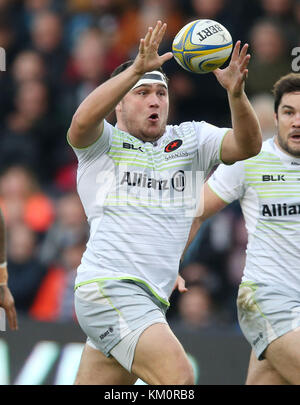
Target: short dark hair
[
  {"x": 286, "y": 84},
  {"x": 128, "y": 63}
]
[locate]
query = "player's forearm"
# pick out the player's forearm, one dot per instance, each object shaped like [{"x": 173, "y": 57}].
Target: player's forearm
[
  {"x": 193, "y": 232},
  {"x": 245, "y": 124},
  {"x": 103, "y": 100}
]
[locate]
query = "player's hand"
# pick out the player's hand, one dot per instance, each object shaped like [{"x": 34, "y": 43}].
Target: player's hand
[
  {"x": 232, "y": 78},
  {"x": 148, "y": 58},
  {"x": 180, "y": 284},
  {"x": 8, "y": 304}
]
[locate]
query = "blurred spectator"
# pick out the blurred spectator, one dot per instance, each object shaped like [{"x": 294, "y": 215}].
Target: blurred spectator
[
  {"x": 152, "y": 10},
  {"x": 209, "y": 9},
  {"x": 33, "y": 134},
  {"x": 263, "y": 105},
  {"x": 47, "y": 38},
  {"x": 54, "y": 300},
  {"x": 217, "y": 10},
  {"x": 196, "y": 308},
  {"x": 22, "y": 200},
  {"x": 70, "y": 226},
  {"x": 89, "y": 65},
  {"x": 25, "y": 271},
  {"x": 28, "y": 66},
  {"x": 34, "y": 6},
  {"x": 282, "y": 12},
  {"x": 195, "y": 272},
  {"x": 278, "y": 7},
  {"x": 117, "y": 21},
  {"x": 269, "y": 57}
]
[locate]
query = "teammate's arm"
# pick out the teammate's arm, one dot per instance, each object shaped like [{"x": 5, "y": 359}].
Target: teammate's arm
[
  {"x": 211, "y": 205},
  {"x": 87, "y": 122},
  {"x": 245, "y": 139},
  {"x": 6, "y": 298}
]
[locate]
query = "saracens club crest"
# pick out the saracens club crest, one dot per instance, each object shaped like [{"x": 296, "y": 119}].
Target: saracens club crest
[{"x": 173, "y": 145}]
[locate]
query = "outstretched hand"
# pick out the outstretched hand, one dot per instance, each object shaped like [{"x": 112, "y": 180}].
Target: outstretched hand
[
  {"x": 232, "y": 78},
  {"x": 148, "y": 58},
  {"x": 8, "y": 304}
]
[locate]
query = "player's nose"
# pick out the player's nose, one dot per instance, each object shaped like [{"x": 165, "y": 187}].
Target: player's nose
[
  {"x": 153, "y": 100},
  {"x": 296, "y": 122}
]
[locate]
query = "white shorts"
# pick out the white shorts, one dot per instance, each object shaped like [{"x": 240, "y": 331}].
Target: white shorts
[
  {"x": 113, "y": 314},
  {"x": 266, "y": 312}
]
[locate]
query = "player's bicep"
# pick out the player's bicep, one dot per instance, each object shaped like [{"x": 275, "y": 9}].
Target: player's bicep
[
  {"x": 81, "y": 137},
  {"x": 230, "y": 151}
]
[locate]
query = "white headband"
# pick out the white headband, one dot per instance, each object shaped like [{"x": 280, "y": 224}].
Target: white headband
[{"x": 152, "y": 77}]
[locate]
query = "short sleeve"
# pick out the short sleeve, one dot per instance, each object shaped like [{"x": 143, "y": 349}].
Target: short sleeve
[
  {"x": 96, "y": 149},
  {"x": 210, "y": 139},
  {"x": 228, "y": 181}
]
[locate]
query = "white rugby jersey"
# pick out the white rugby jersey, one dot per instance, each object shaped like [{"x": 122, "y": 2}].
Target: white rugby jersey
[
  {"x": 268, "y": 187},
  {"x": 140, "y": 198}
]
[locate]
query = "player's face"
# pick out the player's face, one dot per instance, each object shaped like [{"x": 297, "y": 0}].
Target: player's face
[
  {"x": 143, "y": 112},
  {"x": 288, "y": 123}
]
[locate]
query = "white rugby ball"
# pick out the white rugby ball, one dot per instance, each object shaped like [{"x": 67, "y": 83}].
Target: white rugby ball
[{"x": 202, "y": 46}]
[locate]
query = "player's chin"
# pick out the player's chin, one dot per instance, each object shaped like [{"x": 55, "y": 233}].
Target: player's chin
[
  {"x": 155, "y": 129},
  {"x": 294, "y": 149}
]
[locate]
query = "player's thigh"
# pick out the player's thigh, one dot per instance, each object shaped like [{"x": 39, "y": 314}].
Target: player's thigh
[
  {"x": 160, "y": 358},
  {"x": 97, "y": 369},
  {"x": 261, "y": 372},
  {"x": 284, "y": 355}
]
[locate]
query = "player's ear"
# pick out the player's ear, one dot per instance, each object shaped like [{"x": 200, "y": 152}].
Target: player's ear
[
  {"x": 276, "y": 119},
  {"x": 118, "y": 108}
]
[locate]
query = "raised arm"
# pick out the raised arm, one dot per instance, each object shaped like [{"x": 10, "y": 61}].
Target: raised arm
[
  {"x": 245, "y": 140},
  {"x": 87, "y": 122},
  {"x": 6, "y": 298}
]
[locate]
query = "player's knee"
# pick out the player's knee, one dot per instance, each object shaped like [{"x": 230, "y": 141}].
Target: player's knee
[
  {"x": 188, "y": 377},
  {"x": 183, "y": 376}
]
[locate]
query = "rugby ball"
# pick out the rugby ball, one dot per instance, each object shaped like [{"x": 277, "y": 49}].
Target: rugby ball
[{"x": 202, "y": 46}]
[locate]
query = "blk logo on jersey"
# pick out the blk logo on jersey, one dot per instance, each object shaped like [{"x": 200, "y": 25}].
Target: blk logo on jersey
[
  {"x": 173, "y": 145},
  {"x": 272, "y": 177},
  {"x": 127, "y": 145}
]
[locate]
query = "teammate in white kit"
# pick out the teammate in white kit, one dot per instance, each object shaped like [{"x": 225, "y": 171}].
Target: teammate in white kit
[
  {"x": 268, "y": 187},
  {"x": 135, "y": 183}
]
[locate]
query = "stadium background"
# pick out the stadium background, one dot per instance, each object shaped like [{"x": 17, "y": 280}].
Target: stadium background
[{"x": 56, "y": 53}]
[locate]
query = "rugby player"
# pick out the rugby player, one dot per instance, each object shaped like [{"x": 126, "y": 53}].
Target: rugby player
[
  {"x": 132, "y": 181},
  {"x": 268, "y": 187}
]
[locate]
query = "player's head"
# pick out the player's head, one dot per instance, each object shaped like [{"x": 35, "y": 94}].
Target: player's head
[
  {"x": 143, "y": 112},
  {"x": 287, "y": 113}
]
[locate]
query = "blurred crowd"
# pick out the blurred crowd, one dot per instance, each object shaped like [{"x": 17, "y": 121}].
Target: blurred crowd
[{"x": 57, "y": 52}]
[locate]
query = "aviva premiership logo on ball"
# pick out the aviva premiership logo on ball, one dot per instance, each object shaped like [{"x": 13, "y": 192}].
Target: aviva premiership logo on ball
[{"x": 202, "y": 46}]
